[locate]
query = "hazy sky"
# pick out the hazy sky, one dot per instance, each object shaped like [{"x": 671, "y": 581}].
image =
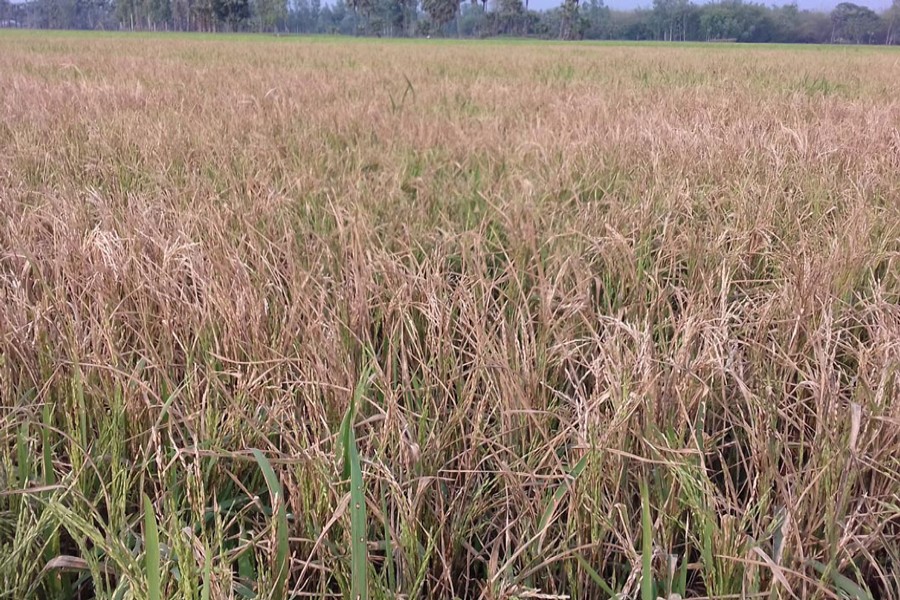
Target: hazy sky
[{"x": 824, "y": 5}]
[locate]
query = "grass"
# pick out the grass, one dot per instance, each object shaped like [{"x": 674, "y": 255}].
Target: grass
[
  {"x": 447, "y": 320},
  {"x": 152, "y": 551}
]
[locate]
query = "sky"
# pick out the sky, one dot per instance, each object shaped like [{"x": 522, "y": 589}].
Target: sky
[{"x": 823, "y": 5}]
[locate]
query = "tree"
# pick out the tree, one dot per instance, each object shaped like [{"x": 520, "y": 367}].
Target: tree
[
  {"x": 793, "y": 25},
  {"x": 182, "y": 14},
  {"x": 302, "y": 18},
  {"x": 271, "y": 13},
  {"x": 511, "y": 17},
  {"x": 892, "y": 16},
  {"x": 394, "y": 17},
  {"x": 667, "y": 14},
  {"x": 157, "y": 13},
  {"x": 336, "y": 18},
  {"x": 853, "y": 23},
  {"x": 567, "y": 30},
  {"x": 735, "y": 20},
  {"x": 127, "y": 13},
  {"x": 630, "y": 25},
  {"x": 787, "y": 22},
  {"x": 364, "y": 8},
  {"x": 441, "y": 11},
  {"x": 597, "y": 19},
  {"x": 233, "y": 13}
]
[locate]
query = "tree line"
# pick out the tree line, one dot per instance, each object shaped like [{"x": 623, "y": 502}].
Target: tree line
[{"x": 667, "y": 20}]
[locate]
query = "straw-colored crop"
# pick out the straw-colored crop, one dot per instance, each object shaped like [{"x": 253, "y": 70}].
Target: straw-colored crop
[{"x": 592, "y": 297}]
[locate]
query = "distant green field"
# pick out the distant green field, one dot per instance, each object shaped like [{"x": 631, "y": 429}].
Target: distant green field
[
  {"x": 343, "y": 39},
  {"x": 292, "y": 317}
]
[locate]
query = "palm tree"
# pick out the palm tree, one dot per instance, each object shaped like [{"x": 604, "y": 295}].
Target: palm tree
[{"x": 893, "y": 16}]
